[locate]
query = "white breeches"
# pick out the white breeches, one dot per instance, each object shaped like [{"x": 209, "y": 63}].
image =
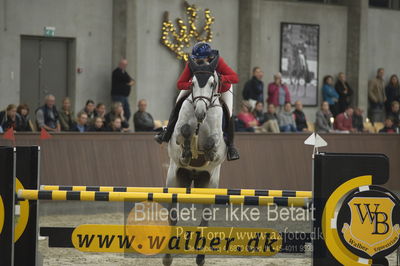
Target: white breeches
[{"x": 227, "y": 97}]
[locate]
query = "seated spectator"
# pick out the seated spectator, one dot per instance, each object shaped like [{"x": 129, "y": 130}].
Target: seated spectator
[
  {"x": 89, "y": 110},
  {"x": 253, "y": 91},
  {"x": 142, "y": 120},
  {"x": 246, "y": 116},
  {"x": 47, "y": 115},
  {"x": 67, "y": 118},
  {"x": 286, "y": 119},
  {"x": 81, "y": 123},
  {"x": 358, "y": 120},
  {"x": 344, "y": 121},
  {"x": 395, "y": 113},
  {"x": 389, "y": 126},
  {"x": 117, "y": 111},
  {"x": 100, "y": 111},
  {"x": 278, "y": 92},
  {"x": 300, "y": 117},
  {"x": 330, "y": 95},
  {"x": 25, "y": 124},
  {"x": 98, "y": 125},
  {"x": 323, "y": 122},
  {"x": 259, "y": 112},
  {"x": 116, "y": 125},
  {"x": 241, "y": 127},
  {"x": 392, "y": 91},
  {"x": 271, "y": 123},
  {"x": 345, "y": 92},
  {"x": 9, "y": 118}
]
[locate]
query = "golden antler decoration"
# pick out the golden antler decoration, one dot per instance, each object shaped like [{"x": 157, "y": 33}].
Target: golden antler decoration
[{"x": 183, "y": 36}]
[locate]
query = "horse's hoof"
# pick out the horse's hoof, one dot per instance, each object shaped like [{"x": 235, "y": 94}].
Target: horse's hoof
[
  {"x": 209, "y": 156},
  {"x": 185, "y": 161},
  {"x": 200, "y": 260},
  {"x": 210, "y": 144},
  {"x": 186, "y": 131},
  {"x": 167, "y": 260},
  {"x": 186, "y": 154}
]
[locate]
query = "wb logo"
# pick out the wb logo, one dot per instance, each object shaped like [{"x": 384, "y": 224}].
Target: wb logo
[{"x": 377, "y": 218}]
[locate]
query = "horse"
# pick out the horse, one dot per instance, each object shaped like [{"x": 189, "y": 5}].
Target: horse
[{"x": 197, "y": 147}]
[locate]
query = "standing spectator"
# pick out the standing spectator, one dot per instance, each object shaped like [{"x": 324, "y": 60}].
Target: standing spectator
[
  {"x": 25, "y": 124},
  {"x": 300, "y": 117},
  {"x": 9, "y": 118},
  {"x": 143, "y": 120},
  {"x": 271, "y": 120},
  {"x": 323, "y": 122},
  {"x": 330, "y": 95},
  {"x": 345, "y": 92},
  {"x": 278, "y": 93},
  {"x": 358, "y": 120},
  {"x": 98, "y": 125},
  {"x": 81, "y": 123},
  {"x": 392, "y": 91},
  {"x": 377, "y": 97},
  {"x": 286, "y": 119},
  {"x": 259, "y": 112},
  {"x": 100, "y": 111},
  {"x": 389, "y": 126},
  {"x": 344, "y": 121},
  {"x": 121, "y": 87},
  {"x": 89, "y": 110},
  {"x": 67, "y": 119},
  {"x": 117, "y": 111},
  {"x": 253, "y": 91},
  {"x": 395, "y": 113},
  {"x": 47, "y": 115},
  {"x": 247, "y": 117}
]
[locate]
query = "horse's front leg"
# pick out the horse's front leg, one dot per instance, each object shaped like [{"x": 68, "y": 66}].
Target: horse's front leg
[{"x": 186, "y": 133}]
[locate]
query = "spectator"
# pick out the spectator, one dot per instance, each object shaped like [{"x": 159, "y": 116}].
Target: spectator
[
  {"x": 345, "y": 92},
  {"x": 246, "y": 117},
  {"x": 358, "y": 120},
  {"x": 259, "y": 113},
  {"x": 286, "y": 119},
  {"x": 344, "y": 121},
  {"x": 1, "y": 130},
  {"x": 25, "y": 124},
  {"x": 89, "y": 110},
  {"x": 67, "y": 119},
  {"x": 271, "y": 120},
  {"x": 100, "y": 111},
  {"x": 253, "y": 91},
  {"x": 47, "y": 115},
  {"x": 98, "y": 125},
  {"x": 389, "y": 126},
  {"x": 9, "y": 118},
  {"x": 121, "y": 87},
  {"x": 377, "y": 97},
  {"x": 392, "y": 91},
  {"x": 395, "y": 113},
  {"x": 143, "y": 120},
  {"x": 330, "y": 95},
  {"x": 300, "y": 117},
  {"x": 81, "y": 123},
  {"x": 323, "y": 122},
  {"x": 116, "y": 125},
  {"x": 278, "y": 93},
  {"x": 241, "y": 127},
  {"x": 117, "y": 111}
]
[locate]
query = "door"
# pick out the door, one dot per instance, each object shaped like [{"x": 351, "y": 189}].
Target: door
[{"x": 44, "y": 70}]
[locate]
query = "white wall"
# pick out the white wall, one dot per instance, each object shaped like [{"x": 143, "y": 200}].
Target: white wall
[
  {"x": 157, "y": 69},
  {"x": 383, "y": 41},
  {"x": 332, "y": 39},
  {"x": 88, "y": 21}
]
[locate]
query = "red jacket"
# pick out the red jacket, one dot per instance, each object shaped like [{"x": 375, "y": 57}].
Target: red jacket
[
  {"x": 343, "y": 122},
  {"x": 273, "y": 94},
  {"x": 228, "y": 77}
]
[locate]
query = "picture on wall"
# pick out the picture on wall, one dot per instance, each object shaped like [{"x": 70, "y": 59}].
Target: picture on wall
[{"x": 299, "y": 61}]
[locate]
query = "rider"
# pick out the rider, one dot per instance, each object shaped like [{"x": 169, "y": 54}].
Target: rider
[{"x": 202, "y": 53}]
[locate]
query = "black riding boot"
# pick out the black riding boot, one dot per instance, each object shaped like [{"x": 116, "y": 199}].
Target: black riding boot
[
  {"x": 166, "y": 133},
  {"x": 233, "y": 153}
]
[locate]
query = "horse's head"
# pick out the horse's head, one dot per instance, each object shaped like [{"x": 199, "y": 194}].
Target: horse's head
[{"x": 205, "y": 86}]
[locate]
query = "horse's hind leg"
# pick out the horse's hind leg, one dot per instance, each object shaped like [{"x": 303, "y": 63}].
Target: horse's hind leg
[{"x": 186, "y": 132}]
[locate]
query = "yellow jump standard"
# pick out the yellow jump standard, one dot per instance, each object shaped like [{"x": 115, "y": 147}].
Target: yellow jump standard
[
  {"x": 161, "y": 197},
  {"x": 211, "y": 191}
]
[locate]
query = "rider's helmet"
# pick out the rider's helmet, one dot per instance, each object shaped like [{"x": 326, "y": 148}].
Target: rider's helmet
[{"x": 202, "y": 50}]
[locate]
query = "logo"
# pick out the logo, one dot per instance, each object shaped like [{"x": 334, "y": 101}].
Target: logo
[{"x": 368, "y": 222}]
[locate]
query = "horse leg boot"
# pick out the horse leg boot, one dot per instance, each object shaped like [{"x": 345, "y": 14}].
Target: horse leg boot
[
  {"x": 186, "y": 132},
  {"x": 209, "y": 149}
]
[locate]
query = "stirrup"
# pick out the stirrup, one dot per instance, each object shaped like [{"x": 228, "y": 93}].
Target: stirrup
[{"x": 160, "y": 137}]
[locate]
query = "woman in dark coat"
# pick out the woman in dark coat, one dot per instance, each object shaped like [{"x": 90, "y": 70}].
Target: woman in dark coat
[
  {"x": 392, "y": 91},
  {"x": 345, "y": 92}
]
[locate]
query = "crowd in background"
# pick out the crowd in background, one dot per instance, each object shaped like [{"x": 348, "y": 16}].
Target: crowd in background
[{"x": 336, "y": 112}]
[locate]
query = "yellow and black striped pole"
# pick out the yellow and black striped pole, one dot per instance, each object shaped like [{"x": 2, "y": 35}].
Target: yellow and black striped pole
[
  {"x": 210, "y": 191},
  {"x": 161, "y": 197}
]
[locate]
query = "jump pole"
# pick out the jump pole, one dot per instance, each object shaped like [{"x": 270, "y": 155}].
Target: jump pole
[{"x": 211, "y": 191}]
